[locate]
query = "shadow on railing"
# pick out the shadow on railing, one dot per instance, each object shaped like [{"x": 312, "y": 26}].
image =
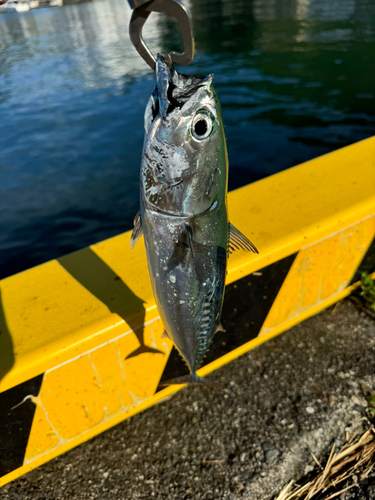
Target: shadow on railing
[
  {"x": 6, "y": 344},
  {"x": 99, "y": 279}
]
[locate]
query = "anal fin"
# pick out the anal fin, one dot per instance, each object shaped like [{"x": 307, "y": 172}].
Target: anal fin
[
  {"x": 220, "y": 328},
  {"x": 238, "y": 241}
]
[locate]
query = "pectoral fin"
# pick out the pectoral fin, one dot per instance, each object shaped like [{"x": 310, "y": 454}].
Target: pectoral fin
[
  {"x": 137, "y": 231},
  {"x": 237, "y": 241},
  {"x": 203, "y": 256}
]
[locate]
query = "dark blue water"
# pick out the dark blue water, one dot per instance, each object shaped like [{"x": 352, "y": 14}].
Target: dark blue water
[{"x": 296, "y": 79}]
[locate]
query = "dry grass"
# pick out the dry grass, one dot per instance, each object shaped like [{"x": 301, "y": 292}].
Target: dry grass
[{"x": 342, "y": 471}]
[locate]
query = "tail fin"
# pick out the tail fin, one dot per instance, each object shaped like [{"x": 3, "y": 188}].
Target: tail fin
[{"x": 192, "y": 379}]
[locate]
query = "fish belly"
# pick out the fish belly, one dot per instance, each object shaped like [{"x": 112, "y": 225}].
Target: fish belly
[{"x": 187, "y": 270}]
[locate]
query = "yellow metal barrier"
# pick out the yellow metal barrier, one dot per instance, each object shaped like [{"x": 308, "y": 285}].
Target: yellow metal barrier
[{"x": 68, "y": 326}]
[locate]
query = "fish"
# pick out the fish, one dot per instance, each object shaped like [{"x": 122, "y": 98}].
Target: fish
[{"x": 183, "y": 213}]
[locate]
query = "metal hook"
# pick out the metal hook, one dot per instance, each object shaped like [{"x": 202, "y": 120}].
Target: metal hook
[{"x": 173, "y": 8}]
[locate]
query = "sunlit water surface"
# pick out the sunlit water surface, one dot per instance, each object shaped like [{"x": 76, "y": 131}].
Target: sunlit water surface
[{"x": 296, "y": 79}]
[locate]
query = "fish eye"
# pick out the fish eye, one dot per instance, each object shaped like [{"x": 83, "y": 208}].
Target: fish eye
[{"x": 202, "y": 125}]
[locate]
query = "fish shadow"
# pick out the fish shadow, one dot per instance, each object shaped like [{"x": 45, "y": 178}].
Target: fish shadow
[
  {"x": 7, "y": 357},
  {"x": 101, "y": 281}
]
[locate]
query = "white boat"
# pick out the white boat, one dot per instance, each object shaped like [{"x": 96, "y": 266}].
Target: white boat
[
  {"x": 55, "y": 3},
  {"x": 18, "y": 6},
  {"x": 34, "y": 4}
]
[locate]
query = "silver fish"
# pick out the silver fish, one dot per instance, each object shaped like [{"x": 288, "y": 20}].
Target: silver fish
[{"x": 183, "y": 214}]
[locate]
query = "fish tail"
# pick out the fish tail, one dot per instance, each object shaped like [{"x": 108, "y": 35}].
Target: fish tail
[{"x": 193, "y": 379}]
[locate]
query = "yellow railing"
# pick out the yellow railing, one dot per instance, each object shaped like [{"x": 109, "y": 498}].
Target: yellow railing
[{"x": 68, "y": 325}]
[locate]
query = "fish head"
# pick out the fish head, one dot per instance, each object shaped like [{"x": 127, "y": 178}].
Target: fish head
[{"x": 184, "y": 167}]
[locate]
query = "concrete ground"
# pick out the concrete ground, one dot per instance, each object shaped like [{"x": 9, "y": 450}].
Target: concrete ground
[{"x": 295, "y": 394}]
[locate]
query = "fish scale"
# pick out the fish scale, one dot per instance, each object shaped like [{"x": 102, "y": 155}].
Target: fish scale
[{"x": 183, "y": 210}]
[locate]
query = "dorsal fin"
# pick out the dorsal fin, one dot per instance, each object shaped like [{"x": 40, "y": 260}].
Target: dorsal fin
[{"x": 237, "y": 241}]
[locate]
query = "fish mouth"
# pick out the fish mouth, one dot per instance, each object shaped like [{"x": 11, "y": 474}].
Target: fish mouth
[{"x": 174, "y": 89}]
